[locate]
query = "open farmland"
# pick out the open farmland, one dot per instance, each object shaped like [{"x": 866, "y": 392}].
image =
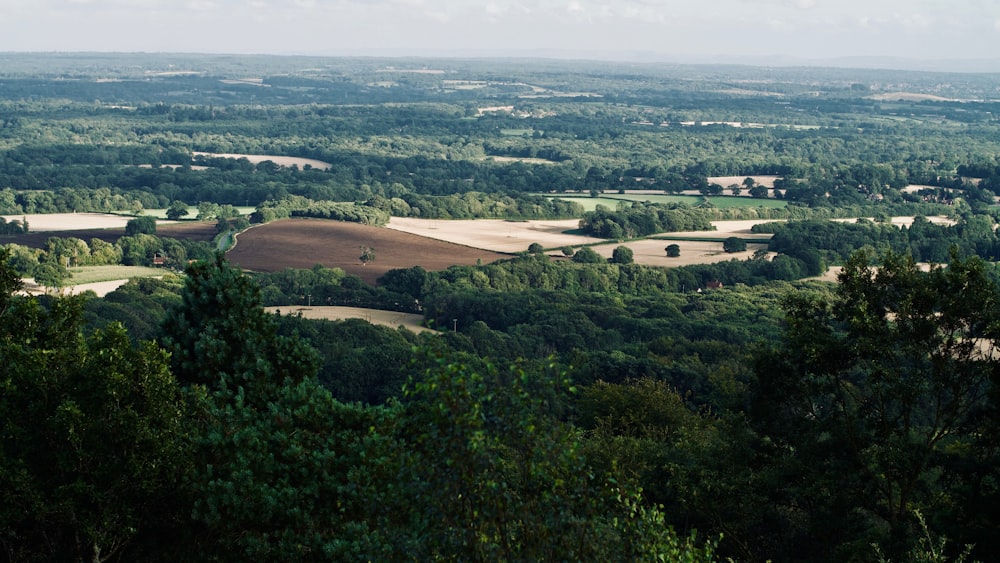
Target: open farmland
[
  {"x": 71, "y": 221},
  {"x": 279, "y": 160},
  {"x": 303, "y": 243},
  {"x": 391, "y": 319},
  {"x": 652, "y": 252},
  {"x": 189, "y": 230},
  {"x": 496, "y": 234}
]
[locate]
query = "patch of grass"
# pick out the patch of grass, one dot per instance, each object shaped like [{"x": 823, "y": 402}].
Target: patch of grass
[
  {"x": 720, "y": 201},
  {"x": 94, "y": 274},
  {"x": 726, "y": 202}
]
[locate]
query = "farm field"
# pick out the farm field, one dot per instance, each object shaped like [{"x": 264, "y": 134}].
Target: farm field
[
  {"x": 726, "y": 181},
  {"x": 100, "y": 289},
  {"x": 511, "y": 236},
  {"x": 303, "y": 243},
  {"x": 496, "y": 234},
  {"x": 692, "y": 198},
  {"x": 723, "y": 201},
  {"x": 97, "y": 274},
  {"x": 652, "y": 252},
  {"x": 381, "y": 317},
  {"x": 279, "y": 160},
  {"x": 190, "y": 230},
  {"x": 49, "y": 222}
]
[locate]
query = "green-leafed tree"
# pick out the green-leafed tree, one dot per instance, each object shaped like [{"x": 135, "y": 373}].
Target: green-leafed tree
[
  {"x": 587, "y": 255},
  {"x": 177, "y": 210},
  {"x": 875, "y": 405},
  {"x": 491, "y": 474},
  {"x": 91, "y": 449},
  {"x": 734, "y": 244},
  {"x": 142, "y": 225},
  {"x": 281, "y": 468},
  {"x": 219, "y": 335},
  {"x": 622, "y": 255}
]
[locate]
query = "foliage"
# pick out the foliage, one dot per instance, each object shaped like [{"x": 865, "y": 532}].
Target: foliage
[
  {"x": 734, "y": 244},
  {"x": 145, "y": 225},
  {"x": 367, "y": 254},
  {"x": 92, "y": 449},
  {"x": 497, "y": 477},
  {"x": 642, "y": 219},
  {"x": 177, "y": 210},
  {"x": 587, "y": 255},
  {"x": 622, "y": 255},
  {"x": 897, "y": 374}
]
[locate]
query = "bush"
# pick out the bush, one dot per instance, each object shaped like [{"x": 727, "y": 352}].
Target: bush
[
  {"x": 734, "y": 244},
  {"x": 622, "y": 255},
  {"x": 587, "y": 255},
  {"x": 144, "y": 225}
]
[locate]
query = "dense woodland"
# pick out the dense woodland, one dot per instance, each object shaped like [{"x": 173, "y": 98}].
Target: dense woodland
[{"x": 565, "y": 409}]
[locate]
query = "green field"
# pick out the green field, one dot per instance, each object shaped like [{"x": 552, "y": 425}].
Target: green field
[
  {"x": 94, "y": 274},
  {"x": 611, "y": 200}
]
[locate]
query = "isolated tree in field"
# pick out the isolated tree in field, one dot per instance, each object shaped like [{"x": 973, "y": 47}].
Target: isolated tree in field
[
  {"x": 758, "y": 191},
  {"x": 177, "y": 210},
  {"x": 535, "y": 248},
  {"x": 673, "y": 250},
  {"x": 367, "y": 255},
  {"x": 734, "y": 244},
  {"x": 622, "y": 255},
  {"x": 144, "y": 225}
]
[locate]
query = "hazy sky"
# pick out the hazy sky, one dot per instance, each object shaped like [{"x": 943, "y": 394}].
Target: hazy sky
[{"x": 813, "y": 29}]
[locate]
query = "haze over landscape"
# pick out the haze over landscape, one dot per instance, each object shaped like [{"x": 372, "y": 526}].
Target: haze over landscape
[{"x": 928, "y": 34}]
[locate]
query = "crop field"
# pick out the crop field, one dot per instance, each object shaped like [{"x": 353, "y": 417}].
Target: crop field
[
  {"x": 279, "y": 160},
  {"x": 496, "y": 234},
  {"x": 190, "y": 230},
  {"x": 391, "y": 319},
  {"x": 161, "y": 214},
  {"x": 723, "y": 201},
  {"x": 95, "y": 274},
  {"x": 49, "y": 222},
  {"x": 303, "y": 243}
]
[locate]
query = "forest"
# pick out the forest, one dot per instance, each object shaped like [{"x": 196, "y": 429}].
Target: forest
[{"x": 564, "y": 406}]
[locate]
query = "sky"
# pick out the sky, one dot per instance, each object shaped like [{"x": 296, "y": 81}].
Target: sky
[{"x": 720, "y": 30}]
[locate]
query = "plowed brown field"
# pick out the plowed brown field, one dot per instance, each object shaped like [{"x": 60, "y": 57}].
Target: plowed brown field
[{"x": 303, "y": 243}]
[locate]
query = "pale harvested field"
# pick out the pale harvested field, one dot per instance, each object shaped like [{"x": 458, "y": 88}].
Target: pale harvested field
[
  {"x": 906, "y": 220},
  {"x": 279, "y": 160},
  {"x": 651, "y": 252},
  {"x": 509, "y": 236},
  {"x": 909, "y": 97},
  {"x": 71, "y": 221},
  {"x": 100, "y": 288},
  {"x": 392, "y": 319},
  {"x": 495, "y": 234},
  {"x": 726, "y": 181}
]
